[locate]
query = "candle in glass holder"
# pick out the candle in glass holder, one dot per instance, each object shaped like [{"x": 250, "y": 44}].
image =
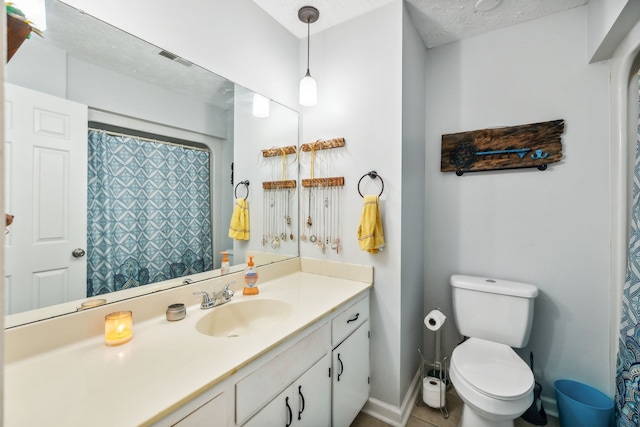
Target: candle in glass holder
[{"x": 118, "y": 327}]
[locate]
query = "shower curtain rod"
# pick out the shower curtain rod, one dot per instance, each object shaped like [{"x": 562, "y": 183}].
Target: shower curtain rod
[{"x": 189, "y": 147}]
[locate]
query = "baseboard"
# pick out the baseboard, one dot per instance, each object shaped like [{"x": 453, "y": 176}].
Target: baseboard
[
  {"x": 393, "y": 415},
  {"x": 550, "y": 406}
]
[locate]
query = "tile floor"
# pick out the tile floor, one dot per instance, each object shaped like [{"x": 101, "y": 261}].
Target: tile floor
[{"x": 424, "y": 416}]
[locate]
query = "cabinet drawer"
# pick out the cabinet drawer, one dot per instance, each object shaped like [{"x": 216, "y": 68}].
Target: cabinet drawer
[
  {"x": 267, "y": 381},
  {"x": 349, "y": 320}
]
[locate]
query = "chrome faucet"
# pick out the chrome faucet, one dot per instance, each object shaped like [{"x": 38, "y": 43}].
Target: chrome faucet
[{"x": 216, "y": 299}]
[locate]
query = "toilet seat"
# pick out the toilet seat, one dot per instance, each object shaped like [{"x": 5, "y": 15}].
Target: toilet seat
[{"x": 492, "y": 369}]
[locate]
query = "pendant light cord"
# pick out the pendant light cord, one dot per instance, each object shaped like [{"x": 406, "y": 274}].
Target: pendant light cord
[{"x": 308, "y": 42}]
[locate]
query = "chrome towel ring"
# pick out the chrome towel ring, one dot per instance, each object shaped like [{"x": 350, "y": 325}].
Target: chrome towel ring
[
  {"x": 246, "y": 184},
  {"x": 372, "y": 175}
]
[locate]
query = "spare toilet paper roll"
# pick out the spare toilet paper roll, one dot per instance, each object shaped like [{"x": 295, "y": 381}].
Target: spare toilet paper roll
[
  {"x": 433, "y": 392},
  {"x": 434, "y": 320}
]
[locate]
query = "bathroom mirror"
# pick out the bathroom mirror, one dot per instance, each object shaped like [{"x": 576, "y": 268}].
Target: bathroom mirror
[{"x": 131, "y": 91}]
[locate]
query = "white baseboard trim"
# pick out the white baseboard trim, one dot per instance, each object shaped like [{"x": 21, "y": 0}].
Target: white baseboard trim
[
  {"x": 393, "y": 415},
  {"x": 550, "y": 406}
]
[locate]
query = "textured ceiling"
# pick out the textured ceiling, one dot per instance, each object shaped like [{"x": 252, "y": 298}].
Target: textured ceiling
[
  {"x": 438, "y": 21},
  {"x": 98, "y": 43}
]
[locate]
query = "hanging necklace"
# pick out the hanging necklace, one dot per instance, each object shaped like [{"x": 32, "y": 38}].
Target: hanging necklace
[
  {"x": 338, "y": 247},
  {"x": 264, "y": 218},
  {"x": 303, "y": 236},
  {"x": 275, "y": 243},
  {"x": 289, "y": 217},
  {"x": 313, "y": 238},
  {"x": 283, "y": 216}
]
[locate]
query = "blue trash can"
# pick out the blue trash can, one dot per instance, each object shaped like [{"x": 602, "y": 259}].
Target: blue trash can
[{"x": 580, "y": 405}]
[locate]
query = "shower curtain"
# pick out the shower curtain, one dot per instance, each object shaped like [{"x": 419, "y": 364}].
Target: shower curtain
[
  {"x": 149, "y": 212},
  {"x": 627, "y": 402}
]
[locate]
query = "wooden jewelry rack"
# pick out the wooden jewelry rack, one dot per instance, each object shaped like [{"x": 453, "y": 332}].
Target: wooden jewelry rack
[
  {"x": 336, "y": 181},
  {"x": 323, "y": 144},
  {"x": 277, "y": 151},
  {"x": 273, "y": 185}
]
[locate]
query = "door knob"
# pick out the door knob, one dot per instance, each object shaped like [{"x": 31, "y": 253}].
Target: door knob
[{"x": 78, "y": 253}]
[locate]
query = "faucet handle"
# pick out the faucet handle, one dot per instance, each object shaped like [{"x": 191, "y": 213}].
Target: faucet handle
[
  {"x": 226, "y": 287},
  {"x": 206, "y": 299},
  {"x": 227, "y": 293}
]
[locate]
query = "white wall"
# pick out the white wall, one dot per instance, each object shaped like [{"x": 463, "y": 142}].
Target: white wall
[
  {"x": 414, "y": 62},
  {"x": 358, "y": 66},
  {"x": 548, "y": 228}
]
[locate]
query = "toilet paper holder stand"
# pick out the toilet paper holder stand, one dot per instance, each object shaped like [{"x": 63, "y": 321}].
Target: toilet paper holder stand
[{"x": 436, "y": 369}]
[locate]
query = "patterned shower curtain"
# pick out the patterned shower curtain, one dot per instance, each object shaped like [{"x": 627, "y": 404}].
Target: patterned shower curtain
[
  {"x": 149, "y": 212},
  {"x": 627, "y": 407}
]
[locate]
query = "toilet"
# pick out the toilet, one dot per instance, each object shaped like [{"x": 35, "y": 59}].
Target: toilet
[{"x": 494, "y": 383}]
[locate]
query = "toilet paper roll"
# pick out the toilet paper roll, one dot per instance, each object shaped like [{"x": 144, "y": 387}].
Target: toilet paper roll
[
  {"x": 434, "y": 392},
  {"x": 434, "y": 320}
]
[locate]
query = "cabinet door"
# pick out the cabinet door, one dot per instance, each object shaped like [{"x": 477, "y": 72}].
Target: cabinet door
[
  {"x": 277, "y": 413},
  {"x": 312, "y": 396},
  {"x": 350, "y": 372},
  {"x": 304, "y": 403}
]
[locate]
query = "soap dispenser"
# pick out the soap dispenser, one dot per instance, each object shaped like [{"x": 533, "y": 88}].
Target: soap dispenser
[
  {"x": 250, "y": 278},
  {"x": 224, "y": 266}
]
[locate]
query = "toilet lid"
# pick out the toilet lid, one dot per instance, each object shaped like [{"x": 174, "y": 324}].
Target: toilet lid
[{"x": 493, "y": 369}]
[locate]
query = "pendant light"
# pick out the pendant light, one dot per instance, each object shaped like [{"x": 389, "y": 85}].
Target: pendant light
[{"x": 308, "y": 90}]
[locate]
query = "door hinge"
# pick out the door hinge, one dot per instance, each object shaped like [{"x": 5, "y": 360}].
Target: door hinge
[
  {"x": 329, "y": 372},
  {"x": 368, "y": 380},
  {"x": 369, "y": 334}
]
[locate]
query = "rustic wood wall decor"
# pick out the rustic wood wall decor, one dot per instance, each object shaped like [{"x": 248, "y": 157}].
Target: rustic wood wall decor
[{"x": 525, "y": 146}]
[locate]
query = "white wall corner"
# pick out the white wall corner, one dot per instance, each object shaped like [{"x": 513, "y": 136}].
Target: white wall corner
[
  {"x": 395, "y": 416},
  {"x": 608, "y": 24}
]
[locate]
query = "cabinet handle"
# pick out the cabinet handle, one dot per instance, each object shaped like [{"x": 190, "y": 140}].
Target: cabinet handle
[
  {"x": 341, "y": 366},
  {"x": 286, "y": 401},
  {"x": 302, "y": 399},
  {"x": 354, "y": 318}
]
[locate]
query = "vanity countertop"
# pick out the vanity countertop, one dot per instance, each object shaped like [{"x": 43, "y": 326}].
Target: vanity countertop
[{"x": 165, "y": 365}]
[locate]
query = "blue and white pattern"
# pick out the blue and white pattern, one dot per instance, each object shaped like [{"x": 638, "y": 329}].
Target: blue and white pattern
[
  {"x": 627, "y": 407},
  {"x": 149, "y": 212}
]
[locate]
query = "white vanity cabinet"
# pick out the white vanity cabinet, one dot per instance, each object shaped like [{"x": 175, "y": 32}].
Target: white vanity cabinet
[
  {"x": 350, "y": 363},
  {"x": 318, "y": 378}
]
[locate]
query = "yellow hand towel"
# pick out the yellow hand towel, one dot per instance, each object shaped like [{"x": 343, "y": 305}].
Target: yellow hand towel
[
  {"x": 370, "y": 236},
  {"x": 239, "y": 225}
]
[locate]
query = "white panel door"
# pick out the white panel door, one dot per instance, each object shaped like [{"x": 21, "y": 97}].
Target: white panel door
[{"x": 46, "y": 191}]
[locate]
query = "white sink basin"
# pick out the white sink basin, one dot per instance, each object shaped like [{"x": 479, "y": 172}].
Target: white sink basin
[{"x": 246, "y": 317}]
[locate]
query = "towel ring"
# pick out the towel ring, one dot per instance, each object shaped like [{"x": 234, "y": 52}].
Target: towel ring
[
  {"x": 246, "y": 184},
  {"x": 372, "y": 175}
]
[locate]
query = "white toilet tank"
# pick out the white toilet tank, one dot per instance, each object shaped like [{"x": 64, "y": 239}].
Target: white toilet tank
[{"x": 495, "y": 310}]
